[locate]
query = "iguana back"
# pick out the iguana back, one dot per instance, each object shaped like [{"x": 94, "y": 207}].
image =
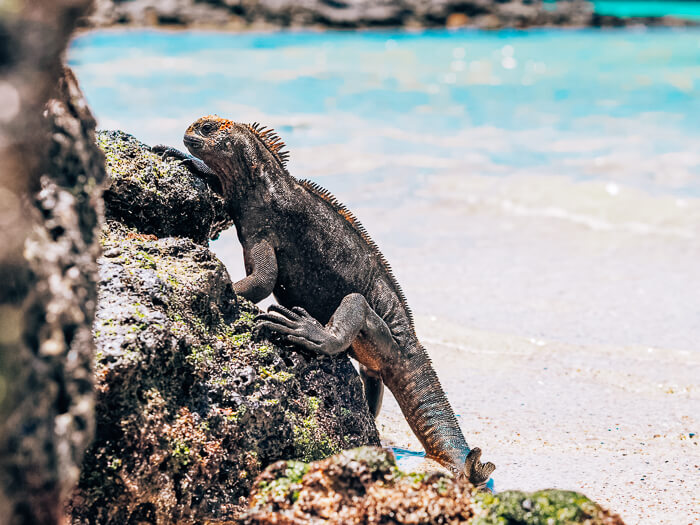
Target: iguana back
[{"x": 334, "y": 252}]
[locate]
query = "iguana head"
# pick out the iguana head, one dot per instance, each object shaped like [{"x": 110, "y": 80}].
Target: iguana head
[{"x": 234, "y": 151}]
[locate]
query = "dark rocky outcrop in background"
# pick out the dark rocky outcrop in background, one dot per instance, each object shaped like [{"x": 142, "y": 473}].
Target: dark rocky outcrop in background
[
  {"x": 355, "y": 14},
  {"x": 50, "y": 177},
  {"x": 191, "y": 406},
  {"x": 364, "y": 486}
]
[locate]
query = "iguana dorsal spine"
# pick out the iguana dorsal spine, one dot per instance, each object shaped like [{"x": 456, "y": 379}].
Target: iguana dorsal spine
[{"x": 346, "y": 214}]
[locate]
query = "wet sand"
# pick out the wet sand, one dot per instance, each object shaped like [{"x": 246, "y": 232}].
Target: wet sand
[{"x": 614, "y": 423}]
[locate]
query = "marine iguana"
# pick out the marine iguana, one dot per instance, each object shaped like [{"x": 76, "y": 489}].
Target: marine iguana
[{"x": 335, "y": 289}]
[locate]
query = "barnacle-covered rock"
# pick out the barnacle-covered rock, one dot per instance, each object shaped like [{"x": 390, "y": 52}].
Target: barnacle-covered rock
[{"x": 356, "y": 486}]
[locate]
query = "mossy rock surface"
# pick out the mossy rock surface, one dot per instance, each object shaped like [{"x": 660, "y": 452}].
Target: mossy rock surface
[
  {"x": 191, "y": 404},
  {"x": 364, "y": 485},
  {"x": 156, "y": 196},
  {"x": 356, "y": 486},
  {"x": 545, "y": 507}
]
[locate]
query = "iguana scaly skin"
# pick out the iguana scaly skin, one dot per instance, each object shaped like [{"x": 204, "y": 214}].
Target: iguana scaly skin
[{"x": 335, "y": 289}]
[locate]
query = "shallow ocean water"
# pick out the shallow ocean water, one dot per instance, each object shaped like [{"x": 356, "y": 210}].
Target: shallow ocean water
[{"x": 542, "y": 183}]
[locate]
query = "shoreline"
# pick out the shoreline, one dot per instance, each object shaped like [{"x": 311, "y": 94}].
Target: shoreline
[{"x": 578, "y": 420}]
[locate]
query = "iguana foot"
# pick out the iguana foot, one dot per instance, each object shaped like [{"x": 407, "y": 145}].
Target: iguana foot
[
  {"x": 299, "y": 327},
  {"x": 196, "y": 166},
  {"x": 475, "y": 471},
  {"x": 168, "y": 152}
]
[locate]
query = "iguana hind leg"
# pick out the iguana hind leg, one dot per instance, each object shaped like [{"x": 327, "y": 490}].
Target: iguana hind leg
[
  {"x": 415, "y": 386},
  {"x": 354, "y": 317},
  {"x": 374, "y": 389}
]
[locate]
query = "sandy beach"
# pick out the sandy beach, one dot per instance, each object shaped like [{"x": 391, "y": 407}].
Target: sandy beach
[{"x": 608, "y": 422}]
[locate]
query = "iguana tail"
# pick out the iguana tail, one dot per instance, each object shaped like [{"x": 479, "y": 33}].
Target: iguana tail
[{"x": 423, "y": 402}]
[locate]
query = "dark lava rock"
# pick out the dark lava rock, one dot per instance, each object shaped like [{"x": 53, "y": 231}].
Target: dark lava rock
[
  {"x": 365, "y": 486},
  {"x": 155, "y": 196},
  {"x": 191, "y": 404}
]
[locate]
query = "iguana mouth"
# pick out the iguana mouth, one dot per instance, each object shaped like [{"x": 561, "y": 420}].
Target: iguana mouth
[{"x": 193, "y": 143}]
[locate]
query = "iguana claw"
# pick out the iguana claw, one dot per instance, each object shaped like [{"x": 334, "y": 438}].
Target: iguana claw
[
  {"x": 196, "y": 166},
  {"x": 168, "y": 152},
  {"x": 299, "y": 327},
  {"x": 475, "y": 471}
]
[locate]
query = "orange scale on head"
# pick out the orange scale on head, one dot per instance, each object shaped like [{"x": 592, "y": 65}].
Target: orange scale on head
[{"x": 223, "y": 123}]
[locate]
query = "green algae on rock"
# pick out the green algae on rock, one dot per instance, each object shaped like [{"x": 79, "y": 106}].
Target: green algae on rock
[
  {"x": 543, "y": 507},
  {"x": 365, "y": 486},
  {"x": 191, "y": 404},
  {"x": 156, "y": 196}
]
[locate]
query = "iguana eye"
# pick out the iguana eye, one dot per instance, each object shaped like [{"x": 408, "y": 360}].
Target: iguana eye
[{"x": 208, "y": 128}]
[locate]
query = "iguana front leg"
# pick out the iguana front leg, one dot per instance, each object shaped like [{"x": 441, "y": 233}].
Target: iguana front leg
[
  {"x": 261, "y": 270},
  {"x": 350, "y": 318}
]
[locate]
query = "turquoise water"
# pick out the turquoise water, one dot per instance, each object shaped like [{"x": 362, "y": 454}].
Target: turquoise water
[
  {"x": 580, "y": 84},
  {"x": 689, "y": 9},
  {"x": 624, "y": 8},
  {"x": 542, "y": 183}
]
